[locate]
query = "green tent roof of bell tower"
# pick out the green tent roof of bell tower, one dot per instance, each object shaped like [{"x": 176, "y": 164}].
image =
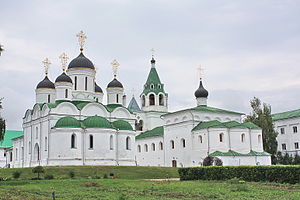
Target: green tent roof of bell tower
[{"x": 153, "y": 83}]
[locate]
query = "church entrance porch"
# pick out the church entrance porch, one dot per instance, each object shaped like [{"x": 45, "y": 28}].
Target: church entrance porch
[{"x": 174, "y": 163}]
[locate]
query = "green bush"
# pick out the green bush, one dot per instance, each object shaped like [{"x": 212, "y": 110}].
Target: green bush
[
  {"x": 38, "y": 170},
  {"x": 71, "y": 174},
  {"x": 105, "y": 176},
  {"x": 280, "y": 174},
  {"x": 48, "y": 176},
  {"x": 16, "y": 174}
]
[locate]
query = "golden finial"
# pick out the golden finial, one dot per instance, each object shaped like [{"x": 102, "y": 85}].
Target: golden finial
[
  {"x": 132, "y": 91},
  {"x": 200, "y": 70},
  {"x": 46, "y": 63},
  {"x": 81, "y": 38},
  {"x": 152, "y": 52},
  {"x": 64, "y": 60},
  {"x": 115, "y": 66}
]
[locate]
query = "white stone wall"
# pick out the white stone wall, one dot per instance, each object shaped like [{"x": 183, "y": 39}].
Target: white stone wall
[
  {"x": 152, "y": 157},
  {"x": 245, "y": 160},
  {"x": 42, "y": 95},
  {"x": 289, "y": 137},
  {"x": 2, "y": 158},
  {"x": 61, "y": 89},
  {"x": 115, "y": 96}
]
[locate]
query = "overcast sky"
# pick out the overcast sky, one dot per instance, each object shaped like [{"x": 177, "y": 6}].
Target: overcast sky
[{"x": 248, "y": 48}]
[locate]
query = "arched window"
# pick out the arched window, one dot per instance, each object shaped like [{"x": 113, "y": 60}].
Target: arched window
[
  {"x": 86, "y": 83},
  {"x": 243, "y": 137},
  {"x": 75, "y": 83},
  {"x": 49, "y": 98},
  {"x": 146, "y": 148},
  {"x": 153, "y": 146},
  {"x": 66, "y": 93},
  {"x": 152, "y": 99},
  {"x": 46, "y": 143},
  {"x": 151, "y": 86},
  {"x": 91, "y": 142},
  {"x": 172, "y": 144},
  {"x": 73, "y": 141},
  {"x": 259, "y": 139},
  {"x": 200, "y": 139},
  {"x": 36, "y": 132},
  {"x": 128, "y": 143},
  {"x": 117, "y": 98},
  {"x": 143, "y": 100},
  {"x": 10, "y": 156},
  {"x": 139, "y": 148},
  {"x": 183, "y": 142},
  {"x": 97, "y": 100},
  {"x": 161, "y": 100},
  {"x": 161, "y": 146},
  {"x": 159, "y": 86},
  {"x": 221, "y": 137},
  {"x": 29, "y": 147},
  {"x": 111, "y": 142}
]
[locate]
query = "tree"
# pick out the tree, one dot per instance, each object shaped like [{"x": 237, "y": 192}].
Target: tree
[
  {"x": 261, "y": 116},
  {"x": 38, "y": 170},
  {"x": 2, "y": 123},
  {"x": 296, "y": 160}
]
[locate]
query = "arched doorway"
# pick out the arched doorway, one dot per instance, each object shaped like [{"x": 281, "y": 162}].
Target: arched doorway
[
  {"x": 174, "y": 163},
  {"x": 36, "y": 153}
]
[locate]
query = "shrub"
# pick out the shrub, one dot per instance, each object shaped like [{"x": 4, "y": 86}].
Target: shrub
[
  {"x": 49, "y": 176},
  {"x": 71, "y": 174},
  {"x": 16, "y": 174},
  {"x": 38, "y": 170},
  {"x": 105, "y": 176},
  {"x": 280, "y": 174},
  {"x": 208, "y": 161},
  {"x": 217, "y": 161}
]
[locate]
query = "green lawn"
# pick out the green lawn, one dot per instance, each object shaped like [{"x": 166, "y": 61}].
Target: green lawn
[
  {"x": 124, "y": 172},
  {"x": 92, "y": 189}
]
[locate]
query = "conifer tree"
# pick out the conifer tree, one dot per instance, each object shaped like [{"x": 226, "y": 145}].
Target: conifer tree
[{"x": 261, "y": 116}]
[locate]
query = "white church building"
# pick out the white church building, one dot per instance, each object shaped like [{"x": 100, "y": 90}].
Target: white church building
[{"x": 71, "y": 125}]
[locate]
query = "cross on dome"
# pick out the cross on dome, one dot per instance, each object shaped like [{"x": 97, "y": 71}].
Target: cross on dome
[
  {"x": 152, "y": 52},
  {"x": 115, "y": 66},
  {"x": 81, "y": 39},
  {"x": 46, "y": 63},
  {"x": 200, "y": 70},
  {"x": 64, "y": 60}
]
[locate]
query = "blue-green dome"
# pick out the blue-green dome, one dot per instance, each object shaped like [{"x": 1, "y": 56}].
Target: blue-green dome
[
  {"x": 68, "y": 122},
  {"x": 96, "y": 122},
  {"x": 122, "y": 125}
]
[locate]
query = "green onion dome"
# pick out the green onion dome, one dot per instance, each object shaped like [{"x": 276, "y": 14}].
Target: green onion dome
[
  {"x": 122, "y": 125},
  {"x": 68, "y": 122},
  {"x": 96, "y": 122}
]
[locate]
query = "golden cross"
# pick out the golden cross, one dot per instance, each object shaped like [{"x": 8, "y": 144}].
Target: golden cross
[
  {"x": 115, "y": 66},
  {"x": 64, "y": 60},
  {"x": 200, "y": 69},
  {"x": 133, "y": 91},
  {"x": 46, "y": 63},
  {"x": 81, "y": 38},
  {"x": 152, "y": 51}
]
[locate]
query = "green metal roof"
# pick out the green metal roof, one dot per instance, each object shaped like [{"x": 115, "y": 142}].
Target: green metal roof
[
  {"x": 96, "y": 122},
  {"x": 70, "y": 122},
  {"x": 122, "y": 125},
  {"x": 134, "y": 106},
  {"x": 154, "y": 79},
  {"x": 286, "y": 115},
  {"x": 234, "y": 153},
  {"x": 112, "y": 107},
  {"x": 8, "y": 136},
  {"x": 156, "y": 132},
  {"x": 209, "y": 109},
  {"x": 209, "y": 124},
  {"x": 230, "y": 124}
]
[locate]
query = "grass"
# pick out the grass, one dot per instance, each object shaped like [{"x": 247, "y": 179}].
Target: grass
[
  {"x": 124, "y": 172},
  {"x": 92, "y": 189}
]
